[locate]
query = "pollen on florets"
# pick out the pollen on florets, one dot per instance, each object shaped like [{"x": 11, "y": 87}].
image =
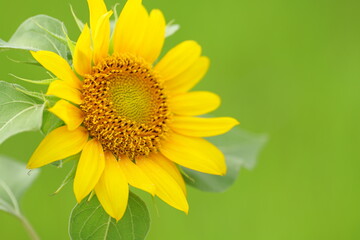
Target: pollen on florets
[{"x": 125, "y": 106}]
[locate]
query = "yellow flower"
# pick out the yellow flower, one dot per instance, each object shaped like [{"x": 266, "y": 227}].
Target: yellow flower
[{"x": 131, "y": 119}]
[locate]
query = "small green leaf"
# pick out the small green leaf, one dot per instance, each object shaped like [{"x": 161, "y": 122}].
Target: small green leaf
[
  {"x": 171, "y": 29},
  {"x": 79, "y": 23},
  {"x": 50, "y": 122},
  {"x": 38, "y": 82},
  {"x": 240, "y": 148},
  {"x": 69, "y": 177},
  {"x": 40, "y": 32},
  {"x": 15, "y": 179},
  {"x": 60, "y": 163},
  {"x": 19, "y": 112},
  {"x": 27, "y": 58},
  {"x": 89, "y": 221},
  {"x": 70, "y": 43},
  {"x": 37, "y": 95}
]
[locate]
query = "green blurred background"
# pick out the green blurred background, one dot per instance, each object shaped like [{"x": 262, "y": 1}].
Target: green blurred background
[{"x": 286, "y": 68}]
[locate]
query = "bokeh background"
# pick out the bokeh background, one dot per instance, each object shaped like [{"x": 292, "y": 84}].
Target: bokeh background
[{"x": 290, "y": 69}]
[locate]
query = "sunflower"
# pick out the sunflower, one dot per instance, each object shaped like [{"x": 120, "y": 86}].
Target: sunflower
[{"x": 132, "y": 120}]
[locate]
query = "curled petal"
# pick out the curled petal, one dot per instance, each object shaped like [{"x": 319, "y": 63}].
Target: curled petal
[
  {"x": 83, "y": 53},
  {"x": 58, "y": 66},
  {"x": 102, "y": 37}
]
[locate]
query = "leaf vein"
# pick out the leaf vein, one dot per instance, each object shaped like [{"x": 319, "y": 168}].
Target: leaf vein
[{"x": 16, "y": 115}]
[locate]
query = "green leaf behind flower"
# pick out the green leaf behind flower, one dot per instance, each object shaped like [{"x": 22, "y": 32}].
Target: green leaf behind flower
[
  {"x": 240, "y": 148},
  {"x": 15, "y": 179},
  {"x": 40, "y": 32},
  {"x": 50, "y": 122},
  {"x": 89, "y": 221},
  {"x": 79, "y": 23},
  {"x": 19, "y": 111}
]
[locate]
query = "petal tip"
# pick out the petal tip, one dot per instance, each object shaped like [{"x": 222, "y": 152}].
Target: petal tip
[
  {"x": 78, "y": 196},
  {"x": 29, "y": 166},
  {"x": 223, "y": 169},
  {"x": 152, "y": 189},
  {"x": 118, "y": 216},
  {"x": 235, "y": 122},
  {"x": 34, "y": 162},
  {"x": 186, "y": 209}
]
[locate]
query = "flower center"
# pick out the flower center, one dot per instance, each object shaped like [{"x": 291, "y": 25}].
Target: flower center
[
  {"x": 125, "y": 107},
  {"x": 133, "y": 99}
]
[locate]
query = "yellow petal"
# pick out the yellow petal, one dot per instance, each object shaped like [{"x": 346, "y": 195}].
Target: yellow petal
[
  {"x": 166, "y": 187},
  {"x": 202, "y": 127},
  {"x": 178, "y": 59},
  {"x": 154, "y": 38},
  {"x": 131, "y": 27},
  {"x": 83, "y": 54},
  {"x": 97, "y": 8},
  {"x": 89, "y": 170},
  {"x": 190, "y": 77},
  {"x": 171, "y": 169},
  {"x": 135, "y": 175},
  {"x": 61, "y": 89},
  {"x": 112, "y": 189},
  {"x": 194, "y": 103},
  {"x": 71, "y": 115},
  {"x": 102, "y": 37},
  {"x": 58, "y": 66},
  {"x": 194, "y": 153},
  {"x": 59, "y": 144}
]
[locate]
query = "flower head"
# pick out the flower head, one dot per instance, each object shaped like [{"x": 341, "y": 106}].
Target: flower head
[{"x": 132, "y": 120}]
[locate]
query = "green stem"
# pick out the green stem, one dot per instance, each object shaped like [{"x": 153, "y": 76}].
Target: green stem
[
  {"x": 15, "y": 210},
  {"x": 29, "y": 229}
]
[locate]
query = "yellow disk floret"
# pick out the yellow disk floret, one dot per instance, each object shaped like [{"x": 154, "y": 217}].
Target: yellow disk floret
[{"x": 125, "y": 106}]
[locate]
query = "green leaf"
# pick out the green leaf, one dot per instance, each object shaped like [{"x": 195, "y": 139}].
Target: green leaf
[
  {"x": 38, "y": 82},
  {"x": 50, "y": 122},
  {"x": 40, "y": 32},
  {"x": 37, "y": 95},
  {"x": 89, "y": 221},
  {"x": 19, "y": 112},
  {"x": 115, "y": 11},
  {"x": 69, "y": 177},
  {"x": 79, "y": 23},
  {"x": 240, "y": 148},
  {"x": 60, "y": 163},
  {"x": 15, "y": 179}
]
